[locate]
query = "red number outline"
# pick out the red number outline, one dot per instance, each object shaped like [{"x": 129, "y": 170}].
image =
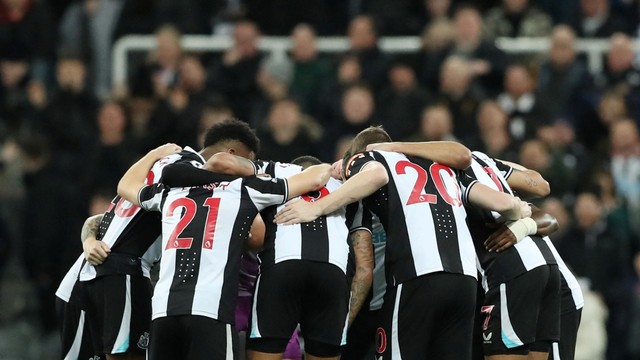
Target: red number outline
[
  {"x": 486, "y": 310},
  {"x": 191, "y": 208},
  {"x": 417, "y": 196},
  {"x": 494, "y": 178}
]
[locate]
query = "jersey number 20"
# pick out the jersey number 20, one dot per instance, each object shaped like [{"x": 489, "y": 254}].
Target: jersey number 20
[{"x": 417, "y": 195}]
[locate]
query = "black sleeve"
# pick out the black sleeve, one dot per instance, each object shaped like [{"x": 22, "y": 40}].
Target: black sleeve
[
  {"x": 505, "y": 169},
  {"x": 357, "y": 162},
  {"x": 184, "y": 175}
]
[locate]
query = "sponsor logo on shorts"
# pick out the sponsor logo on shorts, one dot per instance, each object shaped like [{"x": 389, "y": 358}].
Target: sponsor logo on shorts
[
  {"x": 143, "y": 343},
  {"x": 486, "y": 336}
]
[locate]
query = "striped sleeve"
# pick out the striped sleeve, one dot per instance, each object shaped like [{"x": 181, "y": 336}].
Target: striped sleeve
[
  {"x": 266, "y": 191},
  {"x": 467, "y": 180},
  {"x": 505, "y": 169},
  {"x": 358, "y": 217},
  {"x": 150, "y": 197}
]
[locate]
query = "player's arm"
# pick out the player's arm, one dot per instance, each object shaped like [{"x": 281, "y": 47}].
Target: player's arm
[
  {"x": 369, "y": 179},
  {"x": 225, "y": 163},
  {"x": 540, "y": 223},
  {"x": 311, "y": 179},
  {"x": 134, "y": 179},
  {"x": 527, "y": 183},
  {"x": 95, "y": 251},
  {"x": 450, "y": 153},
  {"x": 509, "y": 206},
  {"x": 362, "y": 248}
]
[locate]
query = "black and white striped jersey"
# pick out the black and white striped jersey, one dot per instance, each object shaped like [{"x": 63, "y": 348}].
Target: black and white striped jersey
[
  {"x": 422, "y": 213},
  {"x": 321, "y": 240},
  {"x": 129, "y": 230},
  {"x": 360, "y": 218},
  {"x": 203, "y": 232},
  {"x": 526, "y": 255}
]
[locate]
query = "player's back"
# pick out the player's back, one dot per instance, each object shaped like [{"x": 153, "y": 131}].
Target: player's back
[
  {"x": 421, "y": 210},
  {"x": 322, "y": 240},
  {"x": 203, "y": 231},
  {"x": 528, "y": 254}
]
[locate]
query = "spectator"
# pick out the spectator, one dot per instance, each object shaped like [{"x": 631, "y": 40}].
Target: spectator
[
  {"x": 527, "y": 110},
  {"x": 286, "y": 135},
  {"x": 593, "y": 129},
  {"x": 563, "y": 78},
  {"x": 349, "y": 73},
  {"x": 460, "y": 95},
  {"x": 620, "y": 74},
  {"x": 113, "y": 153},
  {"x": 535, "y": 155},
  {"x": 273, "y": 79},
  {"x": 87, "y": 29},
  {"x": 436, "y": 41},
  {"x": 596, "y": 20},
  {"x": 357, "y": 113},
  {"x": 556, "y": 208},
  {"x": 595, "y": 249},
  {"x": 165, "y": 60},
  {"x": 493, "y": 137},
  {"x": 625, "y": 165},
  {"x": 516, "y": 18},
  {"x": 235, "y": 76},
  {"x": 363, "y": 43},
  {"x": 487, "y": 62},
  {"x": 435, "y": 125},
  {"x": 437, "y": 10},
  {"x": 402, "y": 102},
  {"x": 310, "y": 72},
  {"x": 69, "y": 119},
  {"x": 26, "y": 24}
]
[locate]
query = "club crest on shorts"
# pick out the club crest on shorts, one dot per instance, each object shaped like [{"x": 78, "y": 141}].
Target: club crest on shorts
[
  {"x": 486, "y": 336},
  {"x": 143, "y": 343}
]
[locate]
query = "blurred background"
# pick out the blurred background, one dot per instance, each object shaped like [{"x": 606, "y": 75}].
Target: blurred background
[{"x": 88, "y": 86}]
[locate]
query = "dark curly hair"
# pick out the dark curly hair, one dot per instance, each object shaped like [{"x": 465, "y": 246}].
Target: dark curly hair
[{"x": 232, "y": 130}]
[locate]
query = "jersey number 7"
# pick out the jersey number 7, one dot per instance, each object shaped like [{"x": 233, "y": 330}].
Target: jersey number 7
[{"x": 190, "y": 207}]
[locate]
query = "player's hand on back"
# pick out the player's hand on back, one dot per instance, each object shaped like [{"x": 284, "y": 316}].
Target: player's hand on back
[
  {"x": 336, "y": 170},
  {"x": 297, "y": 211},
  {"x": 166, "y": 150},
  {"x": 95, "y": 251},
  {"x": 500, "y": 240}
]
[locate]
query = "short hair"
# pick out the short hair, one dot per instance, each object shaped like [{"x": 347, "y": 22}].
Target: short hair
[
  {"x": 370, "y": 135},
  {"x": 306, "y": 160},
  {"x": 232, "y": 130}
]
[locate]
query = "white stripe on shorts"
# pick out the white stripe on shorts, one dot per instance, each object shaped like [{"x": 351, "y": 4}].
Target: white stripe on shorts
[
  {"x": 254, "y": 332},
  {"x": 121, "y": 344},
  {"x": 555, "y": 349},
  {"x": 509, "y": 336},
  {"x": 229, "y": 355},
  {"x": 74, "y": 351},
  {"x": 395, "y": 344}
]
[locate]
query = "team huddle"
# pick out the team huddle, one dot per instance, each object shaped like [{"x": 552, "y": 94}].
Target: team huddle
[{"x": 398, "y": 251}]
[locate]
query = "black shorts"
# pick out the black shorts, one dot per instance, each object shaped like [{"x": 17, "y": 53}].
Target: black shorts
[
  {"x": 75, "y": 335},
  {"x": 313, "y": 294},
  {"x": 429, "y": 317},
  {"x": 119, "y": 313},
  {"x": 361, "y": 336},
  {"x": 192, "y": 337},
  {"x": 522, "y": 312},
  {"x": 566, "y": 348}
]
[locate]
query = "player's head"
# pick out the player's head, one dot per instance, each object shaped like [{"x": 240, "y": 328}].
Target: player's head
[
  {"x": 370, "y": 135},
  {"x": 306, "y": 161},
  {"x": 232, "y": 136}
]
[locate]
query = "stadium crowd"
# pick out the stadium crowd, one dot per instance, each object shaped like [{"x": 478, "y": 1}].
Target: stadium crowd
[{"x": 67, "y": 134}]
